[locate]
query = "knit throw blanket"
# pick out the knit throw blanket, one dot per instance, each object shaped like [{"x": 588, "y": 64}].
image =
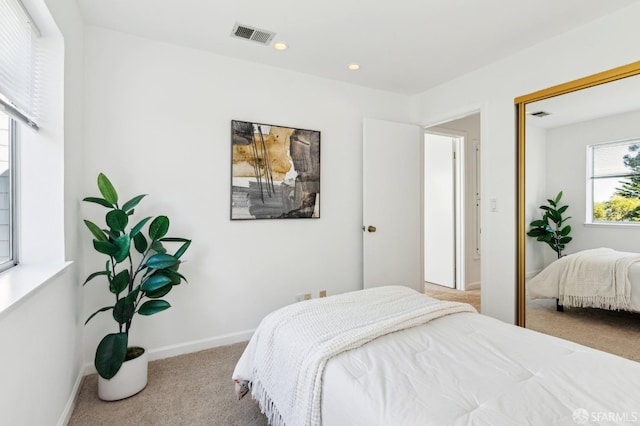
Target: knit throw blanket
[
  {"x": 293, "y": 344},
  {"x": 597, "y": 278}
]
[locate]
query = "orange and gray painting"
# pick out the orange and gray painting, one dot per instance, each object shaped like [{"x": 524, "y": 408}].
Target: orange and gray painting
[{"x": 275, "y": 172}]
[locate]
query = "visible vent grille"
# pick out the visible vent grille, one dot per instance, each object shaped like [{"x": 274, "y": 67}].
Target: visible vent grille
[
  {"x": 254, "y": 34},
  {"x": 540, "y": 114}
]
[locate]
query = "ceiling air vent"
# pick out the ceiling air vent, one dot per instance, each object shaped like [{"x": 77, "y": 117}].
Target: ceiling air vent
[
  {"x": 540, "y": 114},
  {"x": 254, "y": 34}
]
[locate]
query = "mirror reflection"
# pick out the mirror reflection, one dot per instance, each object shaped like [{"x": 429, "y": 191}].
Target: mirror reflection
[{"x": 582, "y": 216}]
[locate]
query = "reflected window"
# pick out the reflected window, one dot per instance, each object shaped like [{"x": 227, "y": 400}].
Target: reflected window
[{"x": 614, "y": 182}]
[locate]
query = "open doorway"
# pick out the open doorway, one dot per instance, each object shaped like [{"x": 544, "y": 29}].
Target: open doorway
[{"x": 452, "y": 207}]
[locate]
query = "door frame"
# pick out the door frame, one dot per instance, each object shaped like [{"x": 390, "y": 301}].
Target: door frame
[
  {"x": 440, "y": 120},
  {"x": 460, "y": 140}
]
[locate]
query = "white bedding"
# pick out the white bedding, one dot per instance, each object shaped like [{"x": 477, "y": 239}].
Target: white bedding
[
  {"x": 547, "y": 284},
  {"x": 469, "y": 369}
]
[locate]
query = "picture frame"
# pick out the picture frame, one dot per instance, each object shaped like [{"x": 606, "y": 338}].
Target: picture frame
[{"x": 275, "y": 172}]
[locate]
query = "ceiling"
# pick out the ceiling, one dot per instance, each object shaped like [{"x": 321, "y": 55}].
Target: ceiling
[
  {"x": 616, "y": 97},
  {"x": 402, "y": 46}
]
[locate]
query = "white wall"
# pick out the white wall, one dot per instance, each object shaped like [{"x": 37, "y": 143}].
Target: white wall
[
  {"x": 157, "y": 121},
  {"x": 41, "y": 357},
  {"x": 570, "y": 142},
  {"x": 536, "y": 195},
  {"x": 603, "y": 44}
]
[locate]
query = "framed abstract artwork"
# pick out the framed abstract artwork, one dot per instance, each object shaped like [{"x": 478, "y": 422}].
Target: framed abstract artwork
[{"x": 275, "y": 172}]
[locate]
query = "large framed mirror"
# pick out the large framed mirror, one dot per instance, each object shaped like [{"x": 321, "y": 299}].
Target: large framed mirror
[{"x": 581, "y": 138}]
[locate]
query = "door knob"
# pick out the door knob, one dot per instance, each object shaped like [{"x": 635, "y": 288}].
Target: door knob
[{"x": 371, "y": 228}]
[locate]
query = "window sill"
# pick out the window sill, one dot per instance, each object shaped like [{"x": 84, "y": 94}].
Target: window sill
[
  {"x": 17, "y": 283},
  {"x": 612, "y": 225}
]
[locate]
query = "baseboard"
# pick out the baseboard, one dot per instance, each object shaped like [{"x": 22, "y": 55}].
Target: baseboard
[
  {"x": 189, "y": 347},
  {"x": 68, "y": 409},
  {"x": 472, "y": 286}
]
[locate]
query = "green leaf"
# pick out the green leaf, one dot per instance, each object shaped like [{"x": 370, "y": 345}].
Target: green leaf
[
  {"x": 119, "y": 282},
  {"x": 565, "y": 240},
  {"x": 161, "y": 292},
  {"x": 123, "y": 310},
  {"x": 136, "y": 229},
  {"x": 110, "y": 354},
  {"x": 97, "y": 200},
  {"x": 565, "y": 231},
  {"x": 131, "y": 297},
  {"x": 562, "y": 209},
  {"x": 106, "y": 308},
  {"x": 154, "y": 282},
  {"x": 159, "y": 227},
  {"x": 175, "y": 276},
  {"x": 538, "y": 222},
  {"x": 95, "y": 230},
  {"x": 151, "y": 307},
  {"x": 140, "y": 243},
  {"x": 107, "y": 190},
  {"x": 161, "y": 261},
  {"x": 157, "y": 246},
  {"x": 558, "y": 197},
  {"x": 182, "y": 249},
  {"x": 132, "y": 202},
  {"x": 123, "y": 244},
  {"x": 95, "y": 274},
  {"x": 174, "y": 240},
  {"x": 117, "y": 220},
  {"x": 105, "y": 247},
  {"x": 536, "y": 232}
]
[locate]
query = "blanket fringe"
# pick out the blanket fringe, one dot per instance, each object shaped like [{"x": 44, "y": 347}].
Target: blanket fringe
[
  {"x": 267, "y": 406},
  {"x": 610, "y": 303}
]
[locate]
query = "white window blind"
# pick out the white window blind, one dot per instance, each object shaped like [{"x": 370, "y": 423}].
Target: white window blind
[{"x": 19, "y": 76}]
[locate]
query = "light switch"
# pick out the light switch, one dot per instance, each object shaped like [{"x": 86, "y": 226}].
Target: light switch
[{"x": 493, "y": 205}]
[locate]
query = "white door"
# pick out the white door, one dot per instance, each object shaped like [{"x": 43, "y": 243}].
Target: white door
[
  {"x": 392, "y": 204},
  {"x": 439, "y": 210}
]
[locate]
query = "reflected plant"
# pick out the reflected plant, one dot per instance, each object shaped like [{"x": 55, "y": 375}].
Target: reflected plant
[{"x": 551, "y": 229}]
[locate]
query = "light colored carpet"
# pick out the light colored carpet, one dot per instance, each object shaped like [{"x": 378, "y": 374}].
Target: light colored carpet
[
  {"x": 471, "y": 297},
  {"x": 193, "y": 389},
  {"x": 611, "y": 331}
]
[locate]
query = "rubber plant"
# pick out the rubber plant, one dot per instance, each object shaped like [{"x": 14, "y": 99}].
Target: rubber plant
[
  {"x": 551, "y": 229},
  {"x": 139, "y": 271}
]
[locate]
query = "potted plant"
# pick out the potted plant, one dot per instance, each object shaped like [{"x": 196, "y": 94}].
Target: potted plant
[
  {"x": 139, "y": 272},
  {"x": 551, "y": 229}
]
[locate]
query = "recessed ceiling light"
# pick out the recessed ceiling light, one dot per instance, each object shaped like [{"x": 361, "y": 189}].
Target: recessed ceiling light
[
  {"x": 280, "y": 46},
  {"x": 353, "y": 67}
]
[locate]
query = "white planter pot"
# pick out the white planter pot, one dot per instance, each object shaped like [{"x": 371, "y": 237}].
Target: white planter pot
[{"x": 128, "y": 381}]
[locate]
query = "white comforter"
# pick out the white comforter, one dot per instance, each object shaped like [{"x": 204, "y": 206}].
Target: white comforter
[
  {"x": 286, "y": 357},
  {"x": 470, "y": 369}
]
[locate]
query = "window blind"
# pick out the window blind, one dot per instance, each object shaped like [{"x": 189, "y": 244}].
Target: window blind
[{"x": 19, "y": 76}]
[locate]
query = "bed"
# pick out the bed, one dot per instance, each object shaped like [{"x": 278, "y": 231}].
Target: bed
[
  {"x": 444, "y": 364},
  {"x": 598, "y": 278}
]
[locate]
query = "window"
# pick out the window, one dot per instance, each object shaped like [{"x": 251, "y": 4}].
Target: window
[
  {"x": 614, "y": 182},
  {"x": 7, "y": 143}
]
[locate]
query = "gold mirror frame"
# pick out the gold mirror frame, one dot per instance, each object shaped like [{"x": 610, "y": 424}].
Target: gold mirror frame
[{"x": 521, "y": 102}]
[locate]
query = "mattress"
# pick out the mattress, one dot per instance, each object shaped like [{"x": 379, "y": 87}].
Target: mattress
[{"x": 470, "y": 369}]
